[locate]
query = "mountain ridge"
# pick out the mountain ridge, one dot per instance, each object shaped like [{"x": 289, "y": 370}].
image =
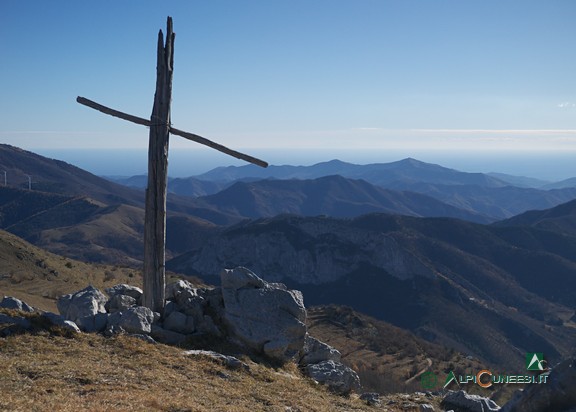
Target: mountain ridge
[
  {"x": 375, "y": 173},
  {"x": 416, "y": 273},
  {"x": 80, "y": 215},
  {"x": 330, "y": 195},
  {"x": 559, "y": 219},
  {"x": 497, "y": 196}
]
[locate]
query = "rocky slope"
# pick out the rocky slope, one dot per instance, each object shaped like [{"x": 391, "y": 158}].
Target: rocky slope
[{"x": 478, "y": 289}]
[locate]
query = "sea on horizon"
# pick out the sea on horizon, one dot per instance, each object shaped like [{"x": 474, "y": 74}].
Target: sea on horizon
[{"x": 550, "y": 166}]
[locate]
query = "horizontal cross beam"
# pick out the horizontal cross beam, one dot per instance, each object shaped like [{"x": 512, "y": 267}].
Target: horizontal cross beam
[{"x": 189, "y": 136}]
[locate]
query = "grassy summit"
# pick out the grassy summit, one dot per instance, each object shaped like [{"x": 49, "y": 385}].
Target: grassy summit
[{"x": 45, "y": 371}]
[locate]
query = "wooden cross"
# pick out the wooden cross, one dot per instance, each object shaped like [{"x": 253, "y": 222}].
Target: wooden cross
[{"x": 160, "y": 129}]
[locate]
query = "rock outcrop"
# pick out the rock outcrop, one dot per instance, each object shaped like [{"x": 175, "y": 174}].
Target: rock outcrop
[
  {"x": 301, "y": 247},
  {"x": 340, "y": 378},
  {"x": 315, "y": 351},
  {"x": 322, "y": 363},
  {"x": 83, "y": 307},
  {"x": 262, "y": 318},
  {"x": 136, "y": 320},
  {"x": 266, "y": 317}
]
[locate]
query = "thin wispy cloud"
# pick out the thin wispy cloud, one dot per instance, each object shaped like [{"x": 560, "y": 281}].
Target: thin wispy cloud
[
  {"x": 50, "y": 132},
  {"x": 537, "y": 132},
  {"x": 358, "y": 138},
  {"x": 566, "y": 105}
]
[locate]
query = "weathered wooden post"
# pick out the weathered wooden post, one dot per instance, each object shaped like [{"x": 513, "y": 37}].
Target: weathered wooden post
[
  {"x": 155, "y": 216},
  {"x": 160, "y": 129}
]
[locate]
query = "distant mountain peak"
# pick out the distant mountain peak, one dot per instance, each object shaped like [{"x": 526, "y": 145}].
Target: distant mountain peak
[
  {"x": 333, "y": 162},
  {"x": 410, "y": 161}
]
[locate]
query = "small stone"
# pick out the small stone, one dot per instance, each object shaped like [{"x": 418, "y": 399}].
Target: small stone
[
  {"x": 136, "y": 320},
  {"x": 169, "y": 308},
  {"x": 179, "y": 322},
  {"x": 10, "y": 302},
  {"x": 86, "y": 302},
  {"x": 124, "y": 289},
  {"x": 120, "y": 302},
  {"x": 93, "y": 323},
  {"x": 145, "y": 338},
  {"x": 229, "y": 361},
  {"x": 371, "y": 398},
  {"x": 167, "y": 336},
  {"x": 338, "y": 377},
  {"x": 60, "y": 321},
  {"x": 315, "y": 351},
  {"x": 174, "y": 289}
]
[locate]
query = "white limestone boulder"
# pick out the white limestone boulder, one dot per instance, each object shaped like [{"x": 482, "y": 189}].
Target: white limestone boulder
[
  {"x": 10, "y": 302},
  {"x": 316, "y": 351},
  {"x": 265, "y": 317},
  {"x": 80, "y": 306},
  {"x": 338, "y": 377}
]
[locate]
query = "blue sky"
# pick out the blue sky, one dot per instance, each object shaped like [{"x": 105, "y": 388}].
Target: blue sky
[{"x": 364, "y": 75}]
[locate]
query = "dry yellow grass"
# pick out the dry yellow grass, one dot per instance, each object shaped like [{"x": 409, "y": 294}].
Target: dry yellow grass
[
  {"x": 44, "y": 371},
  {"x": 39, "y": 277},
  {"x": 389, "y": 359}
]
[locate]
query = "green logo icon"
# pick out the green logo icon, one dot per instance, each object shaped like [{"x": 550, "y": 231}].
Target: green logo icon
[
  {"x": 449, "y": 379},
  {"x": 535, "y": 361},
  {"x": 428, "y": 380}
]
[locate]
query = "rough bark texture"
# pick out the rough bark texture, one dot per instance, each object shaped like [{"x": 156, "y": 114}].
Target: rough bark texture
[{"x": 155, "y": 218}]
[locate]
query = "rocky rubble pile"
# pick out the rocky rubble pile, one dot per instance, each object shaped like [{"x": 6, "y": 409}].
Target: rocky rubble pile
[{"x": 263, "y": 318}]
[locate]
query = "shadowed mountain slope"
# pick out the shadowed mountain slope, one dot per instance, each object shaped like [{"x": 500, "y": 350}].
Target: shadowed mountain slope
[
  {"x": 493, "y": 196},
  {"x": 387, "y": 358},
  {"x": 520, "y": 181},
  {"x": 493, "y": 292},
  {"x": 497, "y": 202},
  {"x": 84, "y": 229},
  {"x": 484, "y": 194},
  {"x": 55, "y": 176},
  {"x": 187, "y": 186},
  {"x": 560, "y": 219},
  {"x": 58, "y": 177},
  {"x": 331, "y": 195},
  {"x": 82, "y": 216},
  {"x": 571, "y": 182}
]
